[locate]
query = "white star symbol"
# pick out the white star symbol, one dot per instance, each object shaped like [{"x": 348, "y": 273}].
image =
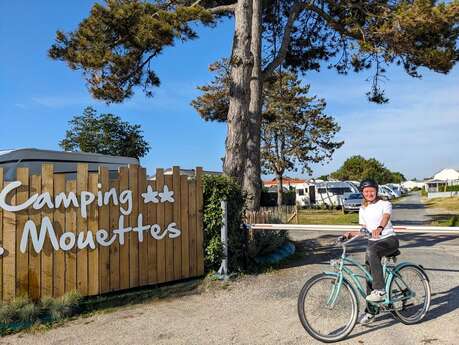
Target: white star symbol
[
  {"x": 166, "y": 195},
  {"x": 150, "y": 196}
]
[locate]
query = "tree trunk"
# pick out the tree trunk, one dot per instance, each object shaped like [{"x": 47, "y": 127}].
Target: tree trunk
[
  {"x": 241, "y": 67},
  {"x": 252, "y": 174},
  {"x": 280, "y": 190}
]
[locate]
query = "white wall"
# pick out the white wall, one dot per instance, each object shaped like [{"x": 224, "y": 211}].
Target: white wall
[{"x": 447, "y": 174}]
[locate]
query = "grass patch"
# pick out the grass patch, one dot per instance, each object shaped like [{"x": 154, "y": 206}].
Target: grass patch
[
  {"x": 451, "y": 221},
  {"x": 450, "y": 204},
  {"x": 327, "y": 217},
  {"x": 22, "y": 313}
]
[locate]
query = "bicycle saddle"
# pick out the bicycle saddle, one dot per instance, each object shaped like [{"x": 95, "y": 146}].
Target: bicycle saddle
[{"x": 394, "y": 254}]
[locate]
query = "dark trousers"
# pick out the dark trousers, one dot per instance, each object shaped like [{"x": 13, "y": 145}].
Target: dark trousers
[{"x": 375, "y": 251}]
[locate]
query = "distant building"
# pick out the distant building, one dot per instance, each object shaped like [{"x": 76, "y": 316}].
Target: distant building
[
  {"x": 63, "y": 162},
  {"x": 447, "y": 175},
  {"x": 442, "y": 179},
  {"x": 413, "y": 184},
  {"x": 286, "y": 182}
]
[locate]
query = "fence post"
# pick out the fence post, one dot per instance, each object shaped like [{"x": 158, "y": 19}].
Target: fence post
[{"x": 223, "y": 270}]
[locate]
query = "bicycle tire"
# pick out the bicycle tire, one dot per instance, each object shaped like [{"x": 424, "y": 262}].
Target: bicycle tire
[
  {"x": 304, "y": 319},
  {"x": 399, "y": 313}
]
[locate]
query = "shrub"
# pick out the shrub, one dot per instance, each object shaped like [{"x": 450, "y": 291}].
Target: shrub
[
  {"x": 266, "y": 242},
  {"x": 23, "y": 310},
  {"x": 217, "y": 188}
]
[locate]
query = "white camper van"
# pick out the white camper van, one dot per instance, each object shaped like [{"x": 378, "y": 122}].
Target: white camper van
[{"x": 329, "y": 193}]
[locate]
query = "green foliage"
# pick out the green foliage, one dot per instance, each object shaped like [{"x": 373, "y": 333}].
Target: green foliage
[
  {"x": 116, "y": 42},
  {"x": 295, "y": 132},
  {"x": 398, "y": 177},
  {"x": 359, "y": 168},
  {"x": 106, "y": 134},
  {"x": 23, "y": 310},
  {"x": 218, "y": 188},
  {"x": 452, "y": 188},
  {"x": 366, "y": 36},
  {"x": 266, "y": 242}
]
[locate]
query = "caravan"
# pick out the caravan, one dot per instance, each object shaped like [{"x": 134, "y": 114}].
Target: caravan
[{"x": 328, "y": 193}]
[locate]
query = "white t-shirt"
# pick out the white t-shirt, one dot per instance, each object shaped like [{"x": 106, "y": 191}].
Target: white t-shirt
[{"x": 371, "y": 217}]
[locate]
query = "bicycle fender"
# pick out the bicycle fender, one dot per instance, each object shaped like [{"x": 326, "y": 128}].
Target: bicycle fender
[
  {"x": 405, "y": 264},
  {"x": 399, "y": 267}
]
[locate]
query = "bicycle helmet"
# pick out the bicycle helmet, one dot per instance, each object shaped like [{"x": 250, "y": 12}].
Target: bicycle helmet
[{"x": 368, "y": 183}]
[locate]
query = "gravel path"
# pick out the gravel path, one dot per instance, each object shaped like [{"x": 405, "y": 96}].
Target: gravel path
[{"x": 262, "y": 309}]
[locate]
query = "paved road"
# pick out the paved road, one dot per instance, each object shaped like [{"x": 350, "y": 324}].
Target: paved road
[
  {"x": 410, "y": 211},
  {"x": 261, "y": 309}
]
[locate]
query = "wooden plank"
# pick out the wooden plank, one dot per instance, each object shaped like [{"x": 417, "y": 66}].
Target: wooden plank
[
  {"x": 115, "y": 247},
  {"x": 168, "y": 218},
  {"x": 82, "y": 228},
  {"x": 199, "y": 223},
  {"x": 124, "y": 249},
  {"x": 178, "y": 220},
  {"x": 143, "y": 245},
  {"x": 104, "y": 223},
  {"x": 134, "y": 241},
  {"x": 192, "y": 226},
  {"x": 47, "y": 254},
  {"x": 59, "y": 228},
  {"x": 71, "y": 255},
  {"x": 184, "y": 226},
  {"x": 9, "y": 241},
  {"x": 93, "y": 225},
  {"x": 161, "y": 244},
  {"x": 34, "y": 257},
  {"x": 1, "y": 239},
  {"x": 22, "y": 259},
  {"x": 152, "y": 250}
]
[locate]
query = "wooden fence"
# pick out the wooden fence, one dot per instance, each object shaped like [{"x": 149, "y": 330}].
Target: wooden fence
[
  {"x": 141, "y": 260},
  {"x": 285, "y": 214}
]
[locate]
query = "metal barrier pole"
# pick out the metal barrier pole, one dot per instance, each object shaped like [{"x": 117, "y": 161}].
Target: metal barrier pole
[
  {"x": 223, "y": 270},
  {"x": 438, "y": 230}
]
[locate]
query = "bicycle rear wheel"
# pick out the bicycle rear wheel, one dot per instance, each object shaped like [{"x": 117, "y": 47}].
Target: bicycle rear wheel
[
  {"x": 323, "y": 320},
  {"x": 410, "y": 289}
]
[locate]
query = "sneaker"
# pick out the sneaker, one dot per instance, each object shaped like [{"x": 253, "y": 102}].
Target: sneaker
[
  {"x": 376, "y": 296},
  {"x": 366, "y": 318}
]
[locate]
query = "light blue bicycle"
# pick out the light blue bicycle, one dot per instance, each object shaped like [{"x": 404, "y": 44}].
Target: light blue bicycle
[{"x": 328, "y": 304}]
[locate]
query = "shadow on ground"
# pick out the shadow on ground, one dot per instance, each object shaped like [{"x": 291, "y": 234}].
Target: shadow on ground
[
  {"x": 442, "y": 303},
  {"x": 321, "y": 249}
]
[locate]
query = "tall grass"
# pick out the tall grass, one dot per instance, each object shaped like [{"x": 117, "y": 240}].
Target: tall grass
[{"x": 23, "y": 310}]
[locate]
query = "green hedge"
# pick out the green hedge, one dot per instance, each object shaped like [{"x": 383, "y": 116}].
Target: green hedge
[
  {"x": 241, "y": 249},
  {"x": 217, "y": 188}
]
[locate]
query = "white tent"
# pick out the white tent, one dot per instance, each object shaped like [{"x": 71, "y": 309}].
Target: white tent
[{"x": 64, "y": 162}]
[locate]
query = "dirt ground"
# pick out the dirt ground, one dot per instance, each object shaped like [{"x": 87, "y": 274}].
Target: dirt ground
[{"x": 261, "y": 309}]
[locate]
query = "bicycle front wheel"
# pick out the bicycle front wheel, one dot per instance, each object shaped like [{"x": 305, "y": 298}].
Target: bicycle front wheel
[
  {"x": 324, "y": 317},
  {"x": 411, "y": 294}
]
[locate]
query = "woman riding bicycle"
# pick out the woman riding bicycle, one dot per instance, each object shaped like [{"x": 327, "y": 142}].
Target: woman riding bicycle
[{"x": 375, "y": 215}]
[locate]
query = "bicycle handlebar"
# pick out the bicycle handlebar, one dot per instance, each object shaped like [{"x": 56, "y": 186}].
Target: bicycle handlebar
[{"x": 364, "y": 232}]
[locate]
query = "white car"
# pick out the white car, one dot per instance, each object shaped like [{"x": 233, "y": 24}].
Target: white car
[{"x": 385, "y": 193}]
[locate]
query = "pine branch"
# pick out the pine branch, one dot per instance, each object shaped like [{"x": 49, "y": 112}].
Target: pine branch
[{"x": 296, "y": 10}]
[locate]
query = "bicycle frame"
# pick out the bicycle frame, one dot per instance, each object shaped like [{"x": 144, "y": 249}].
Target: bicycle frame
[{"x": 390, "y": 273}]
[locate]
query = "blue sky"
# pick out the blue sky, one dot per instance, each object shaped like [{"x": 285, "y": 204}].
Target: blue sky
[{"x": 416, "y": 133}]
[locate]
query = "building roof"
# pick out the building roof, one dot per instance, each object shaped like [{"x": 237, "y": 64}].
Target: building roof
[
  {"x": 285, "y": 180},
  {"x": 64, "y": 162},
  {"x": 188, "y": 172}
]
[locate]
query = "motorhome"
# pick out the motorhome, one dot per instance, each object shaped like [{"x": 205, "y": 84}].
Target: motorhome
[{"x": 329, "y": 193}]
